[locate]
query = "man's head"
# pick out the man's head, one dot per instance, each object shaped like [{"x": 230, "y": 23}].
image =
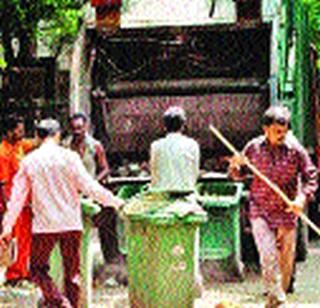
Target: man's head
[
  {"x": 48, "y": 128},
  {"x": 78, "y": 125},
  {"x": 276, "y": 122},
  {"x": 174, "y": 119},
  {"x": 13, "y": 127}
]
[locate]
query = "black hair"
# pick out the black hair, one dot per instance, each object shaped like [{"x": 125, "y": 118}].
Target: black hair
[
  {"x": 174, "y": 118},
  {"x": 11, "y": 122},
  {"x": 43, "y": 132},
  {"x": 78, "y": 115},
  {"x": 173, "y": 123}
]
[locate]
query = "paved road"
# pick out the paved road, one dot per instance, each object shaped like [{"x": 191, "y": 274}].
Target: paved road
[{"x": 247, "y": 294}]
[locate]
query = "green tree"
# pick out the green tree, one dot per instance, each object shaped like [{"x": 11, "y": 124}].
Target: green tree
[
  {"x": 3, "y": 63},
  {"x": 314, "y": 19},
  {"x": 20, "y": 19}
]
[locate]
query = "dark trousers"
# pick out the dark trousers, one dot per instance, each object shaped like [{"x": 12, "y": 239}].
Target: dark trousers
[
  {"x": 106, "y": 221},
  {"x": 42, "y": 246}
]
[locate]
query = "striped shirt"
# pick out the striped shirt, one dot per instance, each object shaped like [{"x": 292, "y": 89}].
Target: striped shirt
[
  {"x": 288, "y": 166},
  {"x": 53, "y": 176}
]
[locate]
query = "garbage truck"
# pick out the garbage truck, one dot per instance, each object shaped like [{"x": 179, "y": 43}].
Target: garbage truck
[{"x": 223, "y": 61}]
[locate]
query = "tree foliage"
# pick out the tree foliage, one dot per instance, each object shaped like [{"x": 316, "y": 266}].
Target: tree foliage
[
  {"x": 314, "y": 19},
  {"x": 61, "y": 19},
  {"x": 60, "y": 29},
  {"x": 20, "y": 18}
]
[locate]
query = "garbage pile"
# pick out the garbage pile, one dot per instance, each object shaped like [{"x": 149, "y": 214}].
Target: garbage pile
[{"x": 162, "y": 203}]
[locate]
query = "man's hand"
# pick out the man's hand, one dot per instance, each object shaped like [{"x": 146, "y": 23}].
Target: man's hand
[
  {"x": 5, "y": 240},
  {"x": 235, "y": 164},
  {"x": 117, "y": 203},
  {"x": 237, "y": 161},
  {"x": 7, "y": 250},
  {"x": 297, "y": 205}
]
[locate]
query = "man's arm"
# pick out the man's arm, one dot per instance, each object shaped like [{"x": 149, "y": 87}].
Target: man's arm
[
  {"x": 309, "y": 176},
  {"x": 197, "y": 160},
  {"x": 103, "y": 165},
  {"x": 90, "y": 187},
  {"x": 237, "y": 163},
  {"x": 308, "y": 183},
  {"x": 153, "y": 168},
  {"x": 3, "y": 178},
  {"x": 3, "y": 199},
  {"x": 19, "y": 195}
]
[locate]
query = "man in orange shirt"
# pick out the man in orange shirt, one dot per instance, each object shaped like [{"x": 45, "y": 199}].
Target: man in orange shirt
[
  {"x": 2, "y": 204},
  {"x": 12, "y": 149}
]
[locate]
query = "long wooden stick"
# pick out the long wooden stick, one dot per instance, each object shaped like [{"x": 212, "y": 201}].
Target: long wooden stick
[{"x": 257, "y": 172}]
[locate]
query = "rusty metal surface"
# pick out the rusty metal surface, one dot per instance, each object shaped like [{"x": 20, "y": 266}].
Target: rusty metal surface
[
  {"x": 133, "y": 123},
  {"x": 198, "y": 85}
]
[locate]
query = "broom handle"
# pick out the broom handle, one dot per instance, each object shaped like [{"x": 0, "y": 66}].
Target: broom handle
[{"x": 260, "y": 175}]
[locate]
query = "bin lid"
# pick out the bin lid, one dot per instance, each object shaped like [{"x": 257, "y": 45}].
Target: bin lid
[
  {"x": 220, "y": 194},
  {"x": 218, "y": 201},
  {"x": 162, "y": 218}
]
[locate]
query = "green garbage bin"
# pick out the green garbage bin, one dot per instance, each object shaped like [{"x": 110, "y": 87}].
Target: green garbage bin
[
  {"x": 126, "y": 192},
  {"x": 89, "y": 209},
  {"x": 161, "y": 258},
  {"x": 220, "y": 235}
]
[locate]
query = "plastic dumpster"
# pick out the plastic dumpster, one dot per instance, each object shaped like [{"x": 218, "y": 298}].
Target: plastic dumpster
[
  {"x": 161, "y": 256},
  {"x": 89, "y": 209},
  {"x": 126, "y": 192},
  {"x": 220, "y": 236}
]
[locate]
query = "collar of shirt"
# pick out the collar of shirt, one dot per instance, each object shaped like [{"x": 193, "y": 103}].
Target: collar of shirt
[
  {"x": 288, "y": 143},
  {"x": 88, "y": 140},
  {"x": 174, "y": 135},
  {"x": 49, "y": 143}
]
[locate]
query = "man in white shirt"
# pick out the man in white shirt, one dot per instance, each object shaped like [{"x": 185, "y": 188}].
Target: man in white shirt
[
  {"x": 174, "y": 165},
  {"x": 53, "y": 177},
  {"x": 175, "y": 158}
]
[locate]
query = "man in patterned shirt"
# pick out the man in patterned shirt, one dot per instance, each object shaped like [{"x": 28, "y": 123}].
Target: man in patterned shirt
[{"x": 281, "y": 158}]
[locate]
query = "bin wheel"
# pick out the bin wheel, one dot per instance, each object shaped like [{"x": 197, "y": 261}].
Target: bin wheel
[{"x": 237, "y": 268}]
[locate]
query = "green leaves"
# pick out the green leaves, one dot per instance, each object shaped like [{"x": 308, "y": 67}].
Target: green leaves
[
  {"x": 61, "y": 28},
  {"x": 61, "y": 24},
  {"x": 314, "y": 20},
  {"x": 57, "y": 21},
  {"x": 3, "y": 63}
]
